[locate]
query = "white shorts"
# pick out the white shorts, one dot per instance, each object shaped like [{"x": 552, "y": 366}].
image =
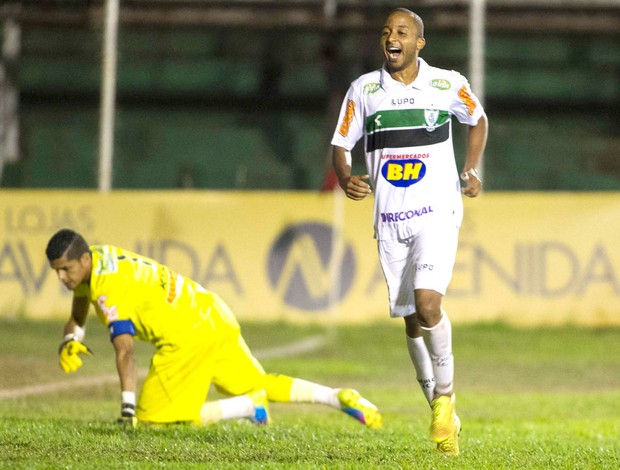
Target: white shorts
[{"x": 424, "y": 261}]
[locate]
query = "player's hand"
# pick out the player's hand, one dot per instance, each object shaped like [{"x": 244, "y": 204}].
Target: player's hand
[
  {"x": 356, "y": 188},
  {"x": 128, "y": 416},
  {"x": 69, "y": 352},
  {"x": 474, "y": 183}
]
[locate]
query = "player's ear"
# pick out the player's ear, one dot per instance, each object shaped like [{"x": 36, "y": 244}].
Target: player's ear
[
  {"x": 421, "y": 42},
  {"x": 85, "y": 258}
]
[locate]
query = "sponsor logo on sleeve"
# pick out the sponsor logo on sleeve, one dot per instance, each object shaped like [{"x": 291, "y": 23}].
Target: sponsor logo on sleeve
[
  {"x": 348, "y": 118},
  {"x": 109, "y": 312},
  {"x": 466, "y": 98}
]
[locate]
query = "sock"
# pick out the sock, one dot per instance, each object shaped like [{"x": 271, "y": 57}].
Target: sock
[
  {"x": 228, "y": 408},
  {"x": 423, "y": 366},
  {"x": 438, "y": 340},
  {"x": 303, "y": 391},
  {"x": 283, "y": 388}
]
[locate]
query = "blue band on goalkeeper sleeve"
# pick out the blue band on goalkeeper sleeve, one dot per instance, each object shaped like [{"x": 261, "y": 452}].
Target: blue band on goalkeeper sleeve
[{"x": 122, "y": 327}]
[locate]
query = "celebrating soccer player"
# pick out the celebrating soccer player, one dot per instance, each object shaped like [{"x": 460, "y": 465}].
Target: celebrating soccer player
[{"x": 403, "y": 111}]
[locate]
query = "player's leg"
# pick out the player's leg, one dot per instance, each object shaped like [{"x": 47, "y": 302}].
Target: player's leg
[
  {"x": 399, "y": 272},
  {"x": 437, "y": 338},
  {"x": 236, "y": 372},
  {"x": 445, "y": 424},
  {"x": 252, "y": 406},
  {"x": 420, "y": 357},
  {"x": 282, "y": 388},
  {"x": 171, "y": 394},
  {"x": 434, "y": 257}
]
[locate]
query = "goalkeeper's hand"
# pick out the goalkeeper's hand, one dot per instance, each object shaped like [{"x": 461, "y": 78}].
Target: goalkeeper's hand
[
  {"x": 128, "y": 415},
  {"x": 69, "y": 352}
]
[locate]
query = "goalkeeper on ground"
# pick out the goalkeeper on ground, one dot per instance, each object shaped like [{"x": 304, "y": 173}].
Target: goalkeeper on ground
[{"x": 196, "y": 336}]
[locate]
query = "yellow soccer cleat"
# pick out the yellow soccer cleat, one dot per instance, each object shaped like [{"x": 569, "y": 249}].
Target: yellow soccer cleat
[
  {"x": 356, "y": 406},
  {"x": 443, "y": 421},
  {"x": 450, "y": 446}
]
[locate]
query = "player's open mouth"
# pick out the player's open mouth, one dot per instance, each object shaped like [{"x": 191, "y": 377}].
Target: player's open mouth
[{"x": 393, "y": 52}]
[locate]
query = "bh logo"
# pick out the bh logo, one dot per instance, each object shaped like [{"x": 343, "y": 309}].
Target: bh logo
[
  {"x": 304, "y": 270},
  {"x": 403, "y": 173}
]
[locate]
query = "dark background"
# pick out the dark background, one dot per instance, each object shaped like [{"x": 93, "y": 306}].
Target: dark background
[{"x": 245, "y": 94}]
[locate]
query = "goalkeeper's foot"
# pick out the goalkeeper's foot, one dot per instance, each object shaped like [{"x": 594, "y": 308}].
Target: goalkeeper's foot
[
  {"x": 261, "y": 408},
  {"x": 128, "y": 421},
  {"x": 450, "y": 445},
  {"x": 443, "y": 422},
  {"x": 356, "y": 406}
]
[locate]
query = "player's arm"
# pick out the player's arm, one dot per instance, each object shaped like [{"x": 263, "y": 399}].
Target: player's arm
[
  {"x": 476, "y": 143},
  {"x": 354, "y": 186},
  {"x": 79, "y": 312},
  {"x": 72, "y": 345},
  {"x": 122, "y": 334}
]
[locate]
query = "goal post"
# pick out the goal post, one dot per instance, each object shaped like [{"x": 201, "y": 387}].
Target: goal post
[{"x": 108, "y": 95}]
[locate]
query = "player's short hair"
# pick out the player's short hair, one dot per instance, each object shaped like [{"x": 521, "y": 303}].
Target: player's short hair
[
  {"x": 66, "y": 242},
  {"x": 417, "y": 20}
]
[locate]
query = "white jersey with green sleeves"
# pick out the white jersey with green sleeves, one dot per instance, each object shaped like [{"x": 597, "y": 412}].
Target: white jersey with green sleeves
[{"x": 407, "y": 131}]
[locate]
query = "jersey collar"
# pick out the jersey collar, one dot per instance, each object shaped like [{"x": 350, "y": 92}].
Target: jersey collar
[{"x": 388, "y": 82}]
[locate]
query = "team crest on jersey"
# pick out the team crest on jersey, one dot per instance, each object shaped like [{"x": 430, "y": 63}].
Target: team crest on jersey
[
  {"x": 431, "y": 116},
  {"x": 370, "y": 88},
  {"x": 440, "y": 84},
  {"x": 403, "y": 173}
]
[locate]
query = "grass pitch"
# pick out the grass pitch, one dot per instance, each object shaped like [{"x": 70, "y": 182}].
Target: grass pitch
[{"x": 534, "y": 399}]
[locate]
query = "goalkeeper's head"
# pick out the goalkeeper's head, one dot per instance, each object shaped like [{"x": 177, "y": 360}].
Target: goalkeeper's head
[{"x": 69, "y": 255}]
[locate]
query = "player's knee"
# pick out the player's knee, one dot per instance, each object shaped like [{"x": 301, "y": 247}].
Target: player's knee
[
  {"x": 428, "y": 310},
  {"x": 412, "y": 327}
]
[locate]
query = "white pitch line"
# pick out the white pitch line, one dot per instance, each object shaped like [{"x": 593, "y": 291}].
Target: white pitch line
[
  {"x": 292, "y": 349},
  {"x": 306, "y": 345}
]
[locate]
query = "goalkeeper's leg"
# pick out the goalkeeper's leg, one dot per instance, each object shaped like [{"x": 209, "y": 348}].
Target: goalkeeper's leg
[
  {"x": 282, "y": 388},
  {"x": 252, "y": 406}
]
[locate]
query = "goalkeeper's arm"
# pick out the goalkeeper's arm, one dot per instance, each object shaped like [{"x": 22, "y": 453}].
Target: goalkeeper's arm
[
  {"x": 122, "y": 338},
  {"x": 79, "y": 311},
  {"x": 72, "y": 345}
]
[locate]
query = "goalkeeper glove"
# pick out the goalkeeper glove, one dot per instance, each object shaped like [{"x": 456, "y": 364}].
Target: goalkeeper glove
[
  {"x": 69, "y": 352},
  {"x": 128, "y": 415}
]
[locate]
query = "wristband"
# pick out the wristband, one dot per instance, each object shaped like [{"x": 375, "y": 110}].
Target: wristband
[
  {"x": 474, "y": 173},
  {"x": 77, "y": 334}
]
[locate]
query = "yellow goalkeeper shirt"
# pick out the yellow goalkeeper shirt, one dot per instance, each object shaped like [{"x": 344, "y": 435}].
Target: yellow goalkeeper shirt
[{"x": 164, "y": 307}]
